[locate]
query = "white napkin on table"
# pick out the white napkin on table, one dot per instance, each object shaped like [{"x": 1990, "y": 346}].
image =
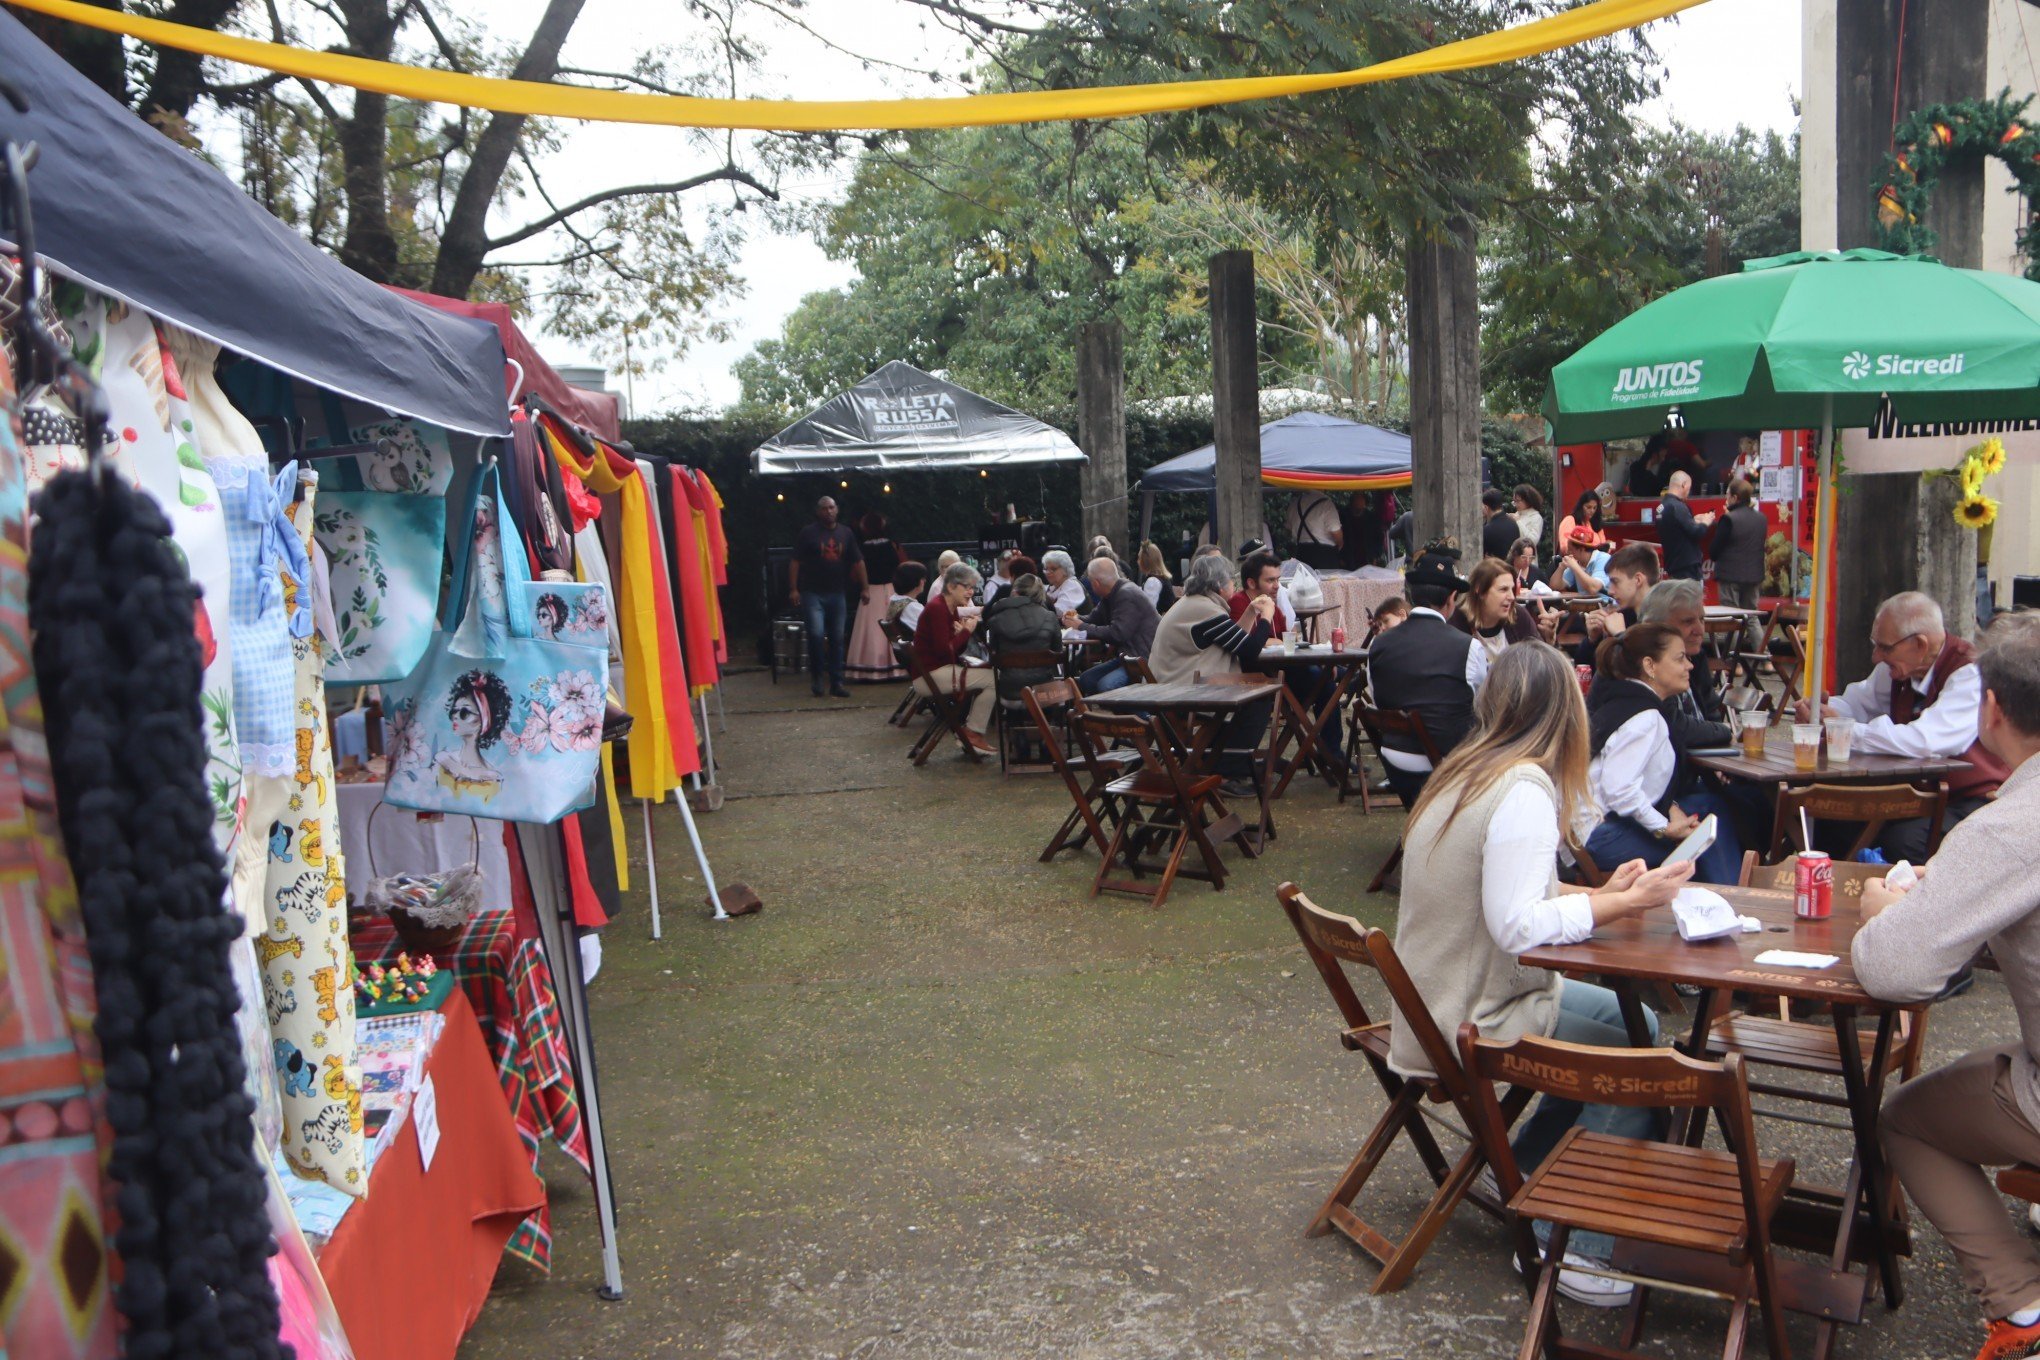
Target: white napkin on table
[
  {"x": 1704, "y": 914},
  {"x": 1793, "y": 958}
]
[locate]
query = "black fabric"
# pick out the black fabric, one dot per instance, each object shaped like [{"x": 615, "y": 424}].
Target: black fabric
[
  {"x": 1420, "y": 665},
  {"x": 1499, "y": 535},
  {"x": 1366, "y": 536},
  {"x": 1014, "y": 624},
  {"x": 192, "y": 248},
  {"x": 537, "y": 498},
  {"x": 881, "y": 559},
  {"x": 1738, "y": 546},
  {"x": 111, "y": 611},
  {"x": 1611, "y": 703},
  {"x": 1126, "y": 618},
  {"x": 1645, "y": 480},
  {"x": 1166, "y": 597},
  {"x": 1679, "y": 536}
]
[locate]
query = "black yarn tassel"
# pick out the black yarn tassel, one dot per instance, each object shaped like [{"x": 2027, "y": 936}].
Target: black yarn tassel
[{"x": 110, "y": 607}]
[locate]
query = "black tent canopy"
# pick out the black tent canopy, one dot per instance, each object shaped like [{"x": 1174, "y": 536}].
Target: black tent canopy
[
  {"x": 900, "y": 419},
  {"x": 125, "y": 211}
]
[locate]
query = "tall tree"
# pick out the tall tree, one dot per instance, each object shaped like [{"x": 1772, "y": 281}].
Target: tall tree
[{"x": 406, "y": 199}]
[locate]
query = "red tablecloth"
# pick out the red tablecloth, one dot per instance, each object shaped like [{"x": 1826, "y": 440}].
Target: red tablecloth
[
  {"x": 507, "y": 979},
  {"x": 410, "y": 1266}
]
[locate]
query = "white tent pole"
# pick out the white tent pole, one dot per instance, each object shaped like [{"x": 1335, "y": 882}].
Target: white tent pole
[
  {"x": 707, "y": 740},
  {"x": 651, "y": 866},
  {"x": 701, "y": 858},
  {"x": 721, "y": 713},
  {"x": 545, "y": 870}
]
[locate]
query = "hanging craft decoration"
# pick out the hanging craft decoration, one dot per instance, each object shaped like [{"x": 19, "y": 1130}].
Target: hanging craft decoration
[
  {"x": 1975, "y": 510},
  {"x": 1929, "y": 140}
]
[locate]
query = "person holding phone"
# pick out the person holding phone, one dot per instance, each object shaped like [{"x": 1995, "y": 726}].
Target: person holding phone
[
  {"x": 1480, "y": 887},
  {"x": 1637, "y": 763}
]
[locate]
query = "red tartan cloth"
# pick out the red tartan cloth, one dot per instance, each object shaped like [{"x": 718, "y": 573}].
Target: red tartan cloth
[{"x": 509, "y": 984}]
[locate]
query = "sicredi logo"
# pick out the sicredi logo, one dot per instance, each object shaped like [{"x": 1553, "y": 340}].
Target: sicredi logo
[
  {"x": 1856, "y": 366},
  {"x": 1659, "y": 382}
]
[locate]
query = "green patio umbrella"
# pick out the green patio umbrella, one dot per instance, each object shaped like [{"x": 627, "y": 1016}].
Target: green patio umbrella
[{"x": 1812, "y": 340}]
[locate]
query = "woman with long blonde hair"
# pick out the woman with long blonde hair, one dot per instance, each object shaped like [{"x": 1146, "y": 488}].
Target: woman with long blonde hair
[{"x": 1480, "y": 886}]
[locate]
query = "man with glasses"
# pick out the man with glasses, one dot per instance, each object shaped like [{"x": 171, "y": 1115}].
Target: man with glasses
[{"x": 1921, "y": 699}]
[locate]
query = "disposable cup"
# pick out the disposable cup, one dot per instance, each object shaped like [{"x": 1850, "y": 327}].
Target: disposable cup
[
  {"x": 1755, "y": 724},
  {"x": 1841, "y": 738},
  {"x": 1806, "y": 746}
]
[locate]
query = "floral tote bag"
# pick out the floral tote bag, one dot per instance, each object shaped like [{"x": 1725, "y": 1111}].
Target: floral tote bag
[
  {"x": 513, "y": 734},
  {"x": 568, "y": 611},
  {"x": 385, "y": 551}
]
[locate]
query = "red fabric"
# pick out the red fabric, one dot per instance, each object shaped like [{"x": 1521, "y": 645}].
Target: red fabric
[
  {"x": 1985, "y": 770},
  {"x": 409, "y": 1268},
  {"x": 596, "y": 411},
  {"x": 588, "y": 908},
  {"x": 718, "y": 546},
  {"x": 698, "y": 631},
  {"x": 584, "y": 505},
  {"x": 679, "y": 707},
  {"x": 937, "y": 640},
  {"x": 1236, "y": 604}
]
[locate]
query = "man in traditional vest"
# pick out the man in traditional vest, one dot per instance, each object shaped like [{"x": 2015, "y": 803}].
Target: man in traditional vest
[
  {"x": 1921, "y": 699},
  {"x": 1426, "y": 665}
]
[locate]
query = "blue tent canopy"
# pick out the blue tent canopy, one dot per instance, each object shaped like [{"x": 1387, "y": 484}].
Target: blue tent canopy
[{"x": 1303, "y": 451}]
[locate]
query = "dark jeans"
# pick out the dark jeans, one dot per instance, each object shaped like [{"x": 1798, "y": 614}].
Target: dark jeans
[
  {"x": 1407, "y": 785},
  {"x": 1242, "y": 738},
  {"x": 1617, "y": 840},
  {"x": 1691, "y": 573},
  {"x": 1106, "y": 675},
  {"x": 1907, "y": 840},
  {"x": 824, "y": 612}
]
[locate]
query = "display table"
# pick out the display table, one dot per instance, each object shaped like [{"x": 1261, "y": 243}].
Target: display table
[
  {"x": 1350, "y": 602},
  {"x": 410, "y": 1266},
  {"x": 509, "y": 983}
]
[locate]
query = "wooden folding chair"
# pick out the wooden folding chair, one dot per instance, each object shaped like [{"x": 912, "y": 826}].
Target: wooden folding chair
[
  {"x": 1873, "y": 805},
  {"x": 1137, "y": 667},
  {"x": 947, "y": 713},
  {"x": 1054, "y": 706},
  {"x": 1378, "y": 723},
  {"x": 1688, "y": 1218},
  {"x": 913, "y": 701},
  {"x": 1161, "y": 804},
  {"x": 1308, "y": 729},
  {"x": 1332, "y": 940},
  {"x": 1010, "y": 710},
  {"x": 1783, "y": 648}
]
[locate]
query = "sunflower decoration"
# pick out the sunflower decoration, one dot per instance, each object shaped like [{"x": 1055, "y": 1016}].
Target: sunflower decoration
[
  {"x": 1990, "y": 454},
  {"x": 1976, "y": 512}
]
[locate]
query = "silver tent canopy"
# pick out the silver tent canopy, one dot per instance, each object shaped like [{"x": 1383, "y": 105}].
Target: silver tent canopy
[{"x": 901, "y": 419}]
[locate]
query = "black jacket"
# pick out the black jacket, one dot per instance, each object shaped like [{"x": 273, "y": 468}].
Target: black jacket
[
  {"x": 1126, "y": 618},
  {"x": 1420, "y": 664},
  {"x": 1679, "y": 534},
  {"x": 1016, "y": 625},
  {"x": 1499, "y": 535}
]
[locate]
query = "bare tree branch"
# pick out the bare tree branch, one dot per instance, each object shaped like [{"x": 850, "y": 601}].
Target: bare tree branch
[{"x": 559, "y": 215}]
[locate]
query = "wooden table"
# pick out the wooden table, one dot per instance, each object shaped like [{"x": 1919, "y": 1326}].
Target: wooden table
[
  {"x": 1776, "y": 765},
  {"x": 1296, "y": 722},
  {"x": 1195, "y": 712},
  {"x": 1856, "y": 1225}
]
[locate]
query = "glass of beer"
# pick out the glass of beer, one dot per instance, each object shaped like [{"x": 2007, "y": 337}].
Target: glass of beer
[
  {"x": 1806, "y": 746},
  {"x": 1756, "y": 724}
]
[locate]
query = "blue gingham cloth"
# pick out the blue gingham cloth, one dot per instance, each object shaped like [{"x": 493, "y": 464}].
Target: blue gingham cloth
[{"x": 261, "y": 548}]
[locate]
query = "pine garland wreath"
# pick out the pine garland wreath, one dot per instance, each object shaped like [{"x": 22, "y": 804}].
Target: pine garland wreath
[
  {"x": 1929, "y": 140},
  {"x": 117, "y": 660}
]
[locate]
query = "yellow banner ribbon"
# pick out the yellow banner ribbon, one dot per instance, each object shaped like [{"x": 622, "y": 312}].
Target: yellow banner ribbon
[{"x": 546, "y": 100}]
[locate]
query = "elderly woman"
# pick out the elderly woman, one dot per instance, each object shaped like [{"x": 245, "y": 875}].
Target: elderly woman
[
  {"x": 1065, "y": 591},
  {"x": 1199, "y": 636},
  {"x": 939, "y": 642},
  {"x": 943, "y": 563},
  {"x": 1021, "y": 621}
]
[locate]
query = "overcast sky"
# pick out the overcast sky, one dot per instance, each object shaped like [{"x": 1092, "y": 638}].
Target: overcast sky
[{"x": 1727, "y": 62}]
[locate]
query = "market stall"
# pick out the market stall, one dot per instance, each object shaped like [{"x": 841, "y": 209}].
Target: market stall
[{"x": 197, "y": 407}]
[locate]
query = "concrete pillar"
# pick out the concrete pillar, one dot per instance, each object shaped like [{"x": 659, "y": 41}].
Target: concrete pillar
[
  {"x": 1892, "y": 531},
  {"x": 1235, "y": 399},
  {"x": 1445, "y": 397},
  {"x": 1101, "y": 432}
]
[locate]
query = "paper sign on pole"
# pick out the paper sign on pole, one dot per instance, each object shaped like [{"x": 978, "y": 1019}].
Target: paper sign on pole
[
  {"x": 1771, "y": 448},
  {"x": 1780, "y": 484}
]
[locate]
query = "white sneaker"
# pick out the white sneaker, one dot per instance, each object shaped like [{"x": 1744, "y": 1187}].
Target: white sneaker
[
  {"x": 1595, "y": 1291},
  {"x": 2033, "y": 1216}
]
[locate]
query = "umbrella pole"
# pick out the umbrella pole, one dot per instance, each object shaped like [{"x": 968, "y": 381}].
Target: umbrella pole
[{"x": 1823, "y": 534}]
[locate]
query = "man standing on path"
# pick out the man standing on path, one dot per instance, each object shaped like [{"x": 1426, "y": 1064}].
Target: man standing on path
[
  {"x": 1680, "y": 531},
  {"x": 1942, "y": 1130},
  {"x": 827, "y": 562}
]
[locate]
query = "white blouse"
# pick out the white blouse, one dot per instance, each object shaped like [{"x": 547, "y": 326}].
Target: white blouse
[
  {"x": 1067, "y": 597},
  {"x": 1515, "y": 868},
  {"x": 1634, "y": 769}
]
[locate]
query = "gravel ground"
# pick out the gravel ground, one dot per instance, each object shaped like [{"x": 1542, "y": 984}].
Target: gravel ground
[{"x": 937, "y": 1100}]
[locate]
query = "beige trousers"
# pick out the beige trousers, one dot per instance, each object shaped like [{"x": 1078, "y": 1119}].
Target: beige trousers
[
  {"x": 977, "y": 682},
  {"x": 1941, "y": 1131}
]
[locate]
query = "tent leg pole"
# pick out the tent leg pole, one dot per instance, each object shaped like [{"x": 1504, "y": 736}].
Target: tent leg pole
[
  {"x": 651, "y": 866},
  {"x": 707, "y": 741},
  {"x": 721, "y": 714},
  {"x": 701, "y": 858},
  {"x": 545, "y": 871}
]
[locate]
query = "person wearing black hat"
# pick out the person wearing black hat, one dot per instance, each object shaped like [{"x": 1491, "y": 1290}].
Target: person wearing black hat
[
  {"x": 1500, "y": 531},
  {"x": 1426, "y": 665}
]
